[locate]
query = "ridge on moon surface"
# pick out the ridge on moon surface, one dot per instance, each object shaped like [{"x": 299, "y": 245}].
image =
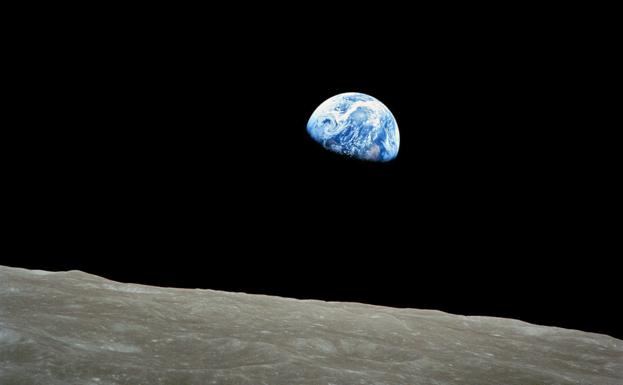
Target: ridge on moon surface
[{"x": 69, "y": 328}]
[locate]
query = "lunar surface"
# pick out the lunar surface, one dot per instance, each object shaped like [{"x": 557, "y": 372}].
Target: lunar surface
[
  {"x": 75, "y": 328},
  {"x": 356, "y": 125}
]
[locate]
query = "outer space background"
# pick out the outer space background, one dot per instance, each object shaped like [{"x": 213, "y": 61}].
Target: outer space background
[{"x": 180, "y": 158}]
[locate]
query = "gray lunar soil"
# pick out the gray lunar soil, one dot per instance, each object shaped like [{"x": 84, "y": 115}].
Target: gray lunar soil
[{"x": 75, "y": 328}]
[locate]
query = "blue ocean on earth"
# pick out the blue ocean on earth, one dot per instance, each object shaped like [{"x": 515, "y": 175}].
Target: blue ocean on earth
[{"x": 356, "y": 125}]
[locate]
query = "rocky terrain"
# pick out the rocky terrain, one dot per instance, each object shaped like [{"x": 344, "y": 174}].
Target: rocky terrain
[{"x": 75, "y": 328}]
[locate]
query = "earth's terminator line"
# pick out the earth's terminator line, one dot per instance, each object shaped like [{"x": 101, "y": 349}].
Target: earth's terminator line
[{"x": 356, "y": 125}]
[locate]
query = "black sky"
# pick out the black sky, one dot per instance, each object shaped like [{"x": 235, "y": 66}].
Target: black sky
[{"x": 175, "y": 153}]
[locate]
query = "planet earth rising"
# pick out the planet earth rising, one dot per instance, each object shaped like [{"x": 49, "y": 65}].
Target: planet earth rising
[{"x": 356, "y": 125}]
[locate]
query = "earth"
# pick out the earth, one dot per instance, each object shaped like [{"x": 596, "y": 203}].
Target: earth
[{"x": 356, "y": 125}]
